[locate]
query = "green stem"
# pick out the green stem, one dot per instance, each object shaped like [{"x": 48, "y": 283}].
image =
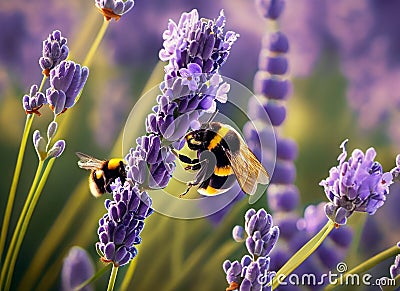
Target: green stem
[
  {"x": 89, "y": 57},
  {"x": 42, "y": 83},
  {"x": 368, "y": 264},
  {"x": 113, "y": 277},
  {"x": 17, "y": 172},
  {"x": 96, "y": 43},
  {"x": 14, "y": 183},
  {"x": 20, "y": 237},
  {"x": 128, "y": 275},
  {"x": 202, "y": 251},
  {"x": 301, "y": 255}
]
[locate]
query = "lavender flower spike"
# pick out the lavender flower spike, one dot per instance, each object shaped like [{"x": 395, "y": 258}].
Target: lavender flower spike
[
  {"x": 195, "y": 50},
  {"x": 114, "y": 8},
  {"x": 358, "y": 184},
  {"x": 66, "y": 80},
  {"x": 54, "y": 51},
  {"x": 34, "y": 101},
  {"x": 262, "y": 235},
  {"x": 252, "y": 272},
  {"x": 119, "y": 229}
]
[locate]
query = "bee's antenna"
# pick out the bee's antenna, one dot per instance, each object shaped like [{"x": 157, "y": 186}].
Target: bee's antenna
[
  {"x": 213, "y": 116},
  {"x": 205, "y": 125}
]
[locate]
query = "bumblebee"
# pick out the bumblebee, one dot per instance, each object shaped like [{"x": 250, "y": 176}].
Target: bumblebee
[
  {"x": 103, "y": 172},
  {"x": 232, "y": 160}
]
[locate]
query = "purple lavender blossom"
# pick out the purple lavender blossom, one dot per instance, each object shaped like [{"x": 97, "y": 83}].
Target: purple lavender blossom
[
  {"x": 252, "y": 275},
  {"x": 77, "y": 268},
  {"x": 271, "y": 9},
  {"x": 195, "y": 50},
  {"x": 119, "y": 229},
  {"x": 262, "y": 235},
  {"x": 252, "y": 272},
  {"x": 114, "y": 8},
  {"x": 34, "y": 101},
  {"x": 66, "y": 80},
  {"x": 358, "y": 184},
  {"x": 54, "y": 51},
  {"x": 195, "y": 40},
  {"x": 150, "y": 164}
]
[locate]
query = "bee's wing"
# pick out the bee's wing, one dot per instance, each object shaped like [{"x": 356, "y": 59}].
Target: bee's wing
[
  {"x": 88, "y": 162},
  {"x": 248, "y": 169}
]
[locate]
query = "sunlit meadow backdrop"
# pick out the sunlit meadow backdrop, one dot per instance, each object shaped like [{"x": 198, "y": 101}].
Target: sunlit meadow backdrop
[{"x": 345, "y": 70}]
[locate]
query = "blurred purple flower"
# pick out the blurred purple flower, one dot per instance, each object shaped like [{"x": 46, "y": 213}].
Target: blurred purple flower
[
  {"x": 363, "y": 35},
  {"x": 358, "y": 184},
  {"x": 54, "y": 51},
  {"x": 283, "y": 197},
  {"x": 22, "y": 34},
  {"x": 114, "y": 8},
  {"x": 34, "y": 101},
  {"x": 271, "y": 9},
  {"x": 77, "y": 268},
  {"x": 119, "y": 229},
  {"x": 66, "y": 80}
]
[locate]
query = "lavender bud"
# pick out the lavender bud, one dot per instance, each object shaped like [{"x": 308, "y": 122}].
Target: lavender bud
[
  {"x": 34, "y": 101},
  {"x": 40, "y": 145},
  {"x": 55, "y": 50},
  {"x": 278, "y": 43},
  {"x": 270, "y": 86},
  {"x": 51, "y": 130},
  {"x": 238, "y": 233},
  {"x": 57, "y": 149}
]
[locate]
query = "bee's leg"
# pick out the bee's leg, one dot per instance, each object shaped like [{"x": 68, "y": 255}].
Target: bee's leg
[{"x": 201, "y": 176}]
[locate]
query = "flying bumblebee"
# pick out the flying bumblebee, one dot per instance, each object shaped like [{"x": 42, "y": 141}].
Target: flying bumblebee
[
  {"x": 103, "y": 172},
  {"x": 233, "y": 159}
]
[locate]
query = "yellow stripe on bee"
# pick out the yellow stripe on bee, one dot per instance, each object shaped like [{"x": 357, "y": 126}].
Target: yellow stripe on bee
[
  {"x": 208, "y": 191},
  {"x": 218, "y": 137},
  {"x": 223, "y": 171},
  {"x": 98, "y": 174},
  {"x": 114, "y": 163}
]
